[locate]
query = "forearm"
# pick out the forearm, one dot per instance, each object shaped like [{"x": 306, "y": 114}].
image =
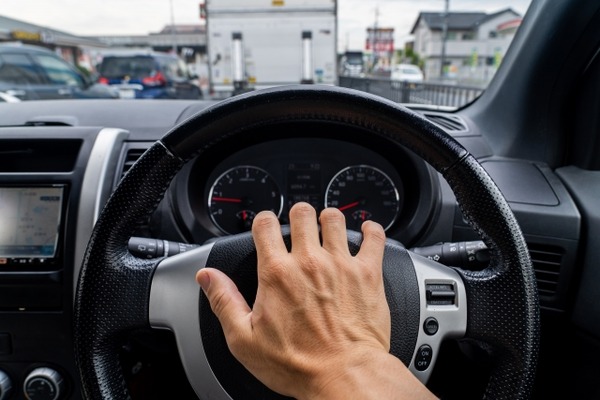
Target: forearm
[{"x": 380, "y": 377}]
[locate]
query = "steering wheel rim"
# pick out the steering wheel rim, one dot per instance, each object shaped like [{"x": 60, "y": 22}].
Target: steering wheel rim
[{"x": 114, "y": 287}]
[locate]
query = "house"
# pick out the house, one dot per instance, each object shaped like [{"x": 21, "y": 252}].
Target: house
[{"x": 475, "y": 43}]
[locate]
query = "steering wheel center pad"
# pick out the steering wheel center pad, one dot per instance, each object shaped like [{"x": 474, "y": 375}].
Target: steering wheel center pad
[{"x": 236, "y": 257}]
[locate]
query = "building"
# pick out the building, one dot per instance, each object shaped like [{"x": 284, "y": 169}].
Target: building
[
  {"x": 475, "y": 43},
  {"x": 72, "y": 48},
  {"x": 380, "y": 44},
  {"x": 188, "y": 41}
]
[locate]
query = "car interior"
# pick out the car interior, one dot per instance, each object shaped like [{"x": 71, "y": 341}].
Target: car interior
[{"x": 144, "y": 193}]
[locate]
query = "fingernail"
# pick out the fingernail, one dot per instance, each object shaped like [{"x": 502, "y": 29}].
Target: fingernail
[{"x": 204, "y": 280}]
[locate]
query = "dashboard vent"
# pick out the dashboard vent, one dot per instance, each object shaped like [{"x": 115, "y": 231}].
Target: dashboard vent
[
  {"x": 447, "y": 122},
  {"x": 130, "y": 158},
  {"x": 546, "y": 262}
]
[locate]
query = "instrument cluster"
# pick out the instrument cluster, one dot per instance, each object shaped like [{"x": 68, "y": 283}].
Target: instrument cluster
[
  {"x": 362, "y": 192},
  {"x": 223, "y": 193}
]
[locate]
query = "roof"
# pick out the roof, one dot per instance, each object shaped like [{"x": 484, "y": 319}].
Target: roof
[
  {"x": 139, "y": 53},
  {"x": 10, "y": 26},
  {"x": 183, "y": 28},
  {"x": 457, "y": 20},
  {"x": 23, "y": 48}
]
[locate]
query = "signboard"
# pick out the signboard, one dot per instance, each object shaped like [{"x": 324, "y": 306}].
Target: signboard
[
  {"x": 28, "y": 36},
  {"x": 380, "y": 40}
]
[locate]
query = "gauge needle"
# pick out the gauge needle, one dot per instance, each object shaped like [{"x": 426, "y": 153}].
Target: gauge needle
[
  {"x": 227, "y": 199},
  {"x": 347, "y": 206}
]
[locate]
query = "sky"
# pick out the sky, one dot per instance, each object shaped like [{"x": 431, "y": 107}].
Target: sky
[{"x": 130, "y": 17}]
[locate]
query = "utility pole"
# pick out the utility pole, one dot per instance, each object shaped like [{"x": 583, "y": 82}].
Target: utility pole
[
  {"x": 444, "y": 38},
  {"x": 173, "y": 33}
]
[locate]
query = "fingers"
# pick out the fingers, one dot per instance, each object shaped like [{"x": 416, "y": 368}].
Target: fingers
[
  {"x": 373, "y": 243},
  {"x": 303, "y": 226},
  {"x": 305, "y": 233},
  {"x": 266, "y": 232},
  {"x": 333, "y": 229},
  {"x": 226, "y": 301}
]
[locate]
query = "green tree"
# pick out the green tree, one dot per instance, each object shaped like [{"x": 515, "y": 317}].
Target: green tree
[{"x": 408, "y": 56}]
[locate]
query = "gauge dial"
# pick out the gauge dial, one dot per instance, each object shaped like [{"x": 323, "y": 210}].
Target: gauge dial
[
  {"x": 239, "y": 194},
  {"x": 363, "y": 193}
]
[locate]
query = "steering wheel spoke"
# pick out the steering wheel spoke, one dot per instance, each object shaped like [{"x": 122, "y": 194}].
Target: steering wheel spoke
[{"x": 443, "y": 312}]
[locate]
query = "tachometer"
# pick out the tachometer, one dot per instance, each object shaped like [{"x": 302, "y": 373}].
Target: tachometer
[
  {"x": 363, "y": 193},
  {"x": 239, "y": 194}
]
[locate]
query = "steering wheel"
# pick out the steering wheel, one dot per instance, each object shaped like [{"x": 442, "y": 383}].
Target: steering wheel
[{"x": 117, "y": 293}]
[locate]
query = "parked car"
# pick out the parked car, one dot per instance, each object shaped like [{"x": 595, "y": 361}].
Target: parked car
[
  {"x": 148, "y": 76},
  {"x": 405, "y": 73},
  {"x": 5, "y": 97},
  {"x": 352, "y": 64},
  {"x": 36, "y": 73}
]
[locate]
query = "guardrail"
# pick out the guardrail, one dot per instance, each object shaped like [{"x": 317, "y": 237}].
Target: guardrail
[{"x": 439, "y": 94}]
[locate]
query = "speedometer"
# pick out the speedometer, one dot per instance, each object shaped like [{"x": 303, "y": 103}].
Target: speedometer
[
  {"x": 363, "y": 192},
  {"x": 239, "y": 194}
]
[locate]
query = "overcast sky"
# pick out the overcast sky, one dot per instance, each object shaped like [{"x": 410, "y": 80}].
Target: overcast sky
[{"x": 124, "y": 17}]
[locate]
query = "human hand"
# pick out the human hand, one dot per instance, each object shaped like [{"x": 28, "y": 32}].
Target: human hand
[{"x": 320, "y": 323}]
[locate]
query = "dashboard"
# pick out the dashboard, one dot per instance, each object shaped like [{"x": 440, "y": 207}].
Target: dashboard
[{"x": 59, "y": 166}]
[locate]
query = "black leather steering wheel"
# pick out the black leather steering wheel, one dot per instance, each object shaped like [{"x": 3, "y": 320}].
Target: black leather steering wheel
[{"x": 118, "y": 293}]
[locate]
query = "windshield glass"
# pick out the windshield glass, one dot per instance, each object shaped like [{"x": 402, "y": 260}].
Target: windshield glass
[
  {"x": 409, "y": 71},
  {"x": 120, "y": 67},
  {"x": 226, "y": 47}
]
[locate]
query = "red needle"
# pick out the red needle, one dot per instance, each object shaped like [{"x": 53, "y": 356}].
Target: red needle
[
  {"x": 244, "y": 216},
  {"x": 226, "y": 199},
  {"x": 347, "y": 206},
  {"x": 362, "y": 215}
]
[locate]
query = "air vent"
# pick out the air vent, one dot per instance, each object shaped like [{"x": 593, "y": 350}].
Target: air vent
[
  {"x": 546, "y": 262},
  {"x": 130, "y": 158},
  {"x": 53, "y": 120},
  {"x": 447, "y": 122}
]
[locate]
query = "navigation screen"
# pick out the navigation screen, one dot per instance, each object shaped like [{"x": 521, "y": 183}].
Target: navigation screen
[{"x": 29, "y": 221}]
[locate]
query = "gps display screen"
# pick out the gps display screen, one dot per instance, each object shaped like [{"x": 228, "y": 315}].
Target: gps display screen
[{"x": 30, "y": 221}]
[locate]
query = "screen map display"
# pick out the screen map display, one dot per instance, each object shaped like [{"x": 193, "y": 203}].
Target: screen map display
[{"x": 29, "y": 221}]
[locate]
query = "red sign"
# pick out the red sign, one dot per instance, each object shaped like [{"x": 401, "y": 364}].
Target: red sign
[
  {"x": 380, "y": 40},
  {"x": 380, "y": 46}
]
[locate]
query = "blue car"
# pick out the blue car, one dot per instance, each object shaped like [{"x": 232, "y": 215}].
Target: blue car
[{"x": 148, "y": 76}]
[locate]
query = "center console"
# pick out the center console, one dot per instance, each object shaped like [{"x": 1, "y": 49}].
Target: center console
[{"x": 42, "y": 200}]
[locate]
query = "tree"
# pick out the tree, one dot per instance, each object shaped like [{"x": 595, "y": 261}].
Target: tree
[{"x": 408, "y": 56}]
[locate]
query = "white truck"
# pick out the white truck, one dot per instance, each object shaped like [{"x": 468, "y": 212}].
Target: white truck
[{"x": 254, "y": 44}]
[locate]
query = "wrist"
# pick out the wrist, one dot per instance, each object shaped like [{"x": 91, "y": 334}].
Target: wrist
[{"x": 374, "y": 374}]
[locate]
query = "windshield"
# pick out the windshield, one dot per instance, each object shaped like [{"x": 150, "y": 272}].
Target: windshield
[
  {"x": 410, "y": 71},
  {"x": 119, "y": 67},
  {"x": 226, "y": 47}
]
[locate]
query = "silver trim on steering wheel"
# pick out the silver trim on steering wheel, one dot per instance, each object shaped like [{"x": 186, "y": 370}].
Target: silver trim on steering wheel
[
  {"x": 451, "y": 319},
  {"x": 174, "y": 300},
  {"x": 175, "y": 296}
]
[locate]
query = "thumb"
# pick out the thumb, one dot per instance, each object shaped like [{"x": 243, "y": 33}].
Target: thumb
[{"x": 226, "y": 301}]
